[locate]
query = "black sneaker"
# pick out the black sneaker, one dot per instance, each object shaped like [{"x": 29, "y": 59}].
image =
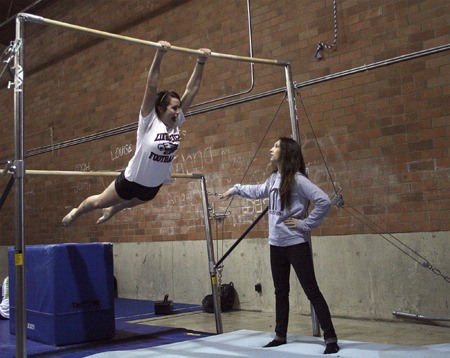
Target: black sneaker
[
  {"x": 274, "y": 343},
  {"x": 331, "y": 348}
]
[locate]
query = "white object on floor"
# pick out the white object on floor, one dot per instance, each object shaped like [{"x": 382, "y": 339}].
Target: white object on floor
[{"x": 248, "y": 344}]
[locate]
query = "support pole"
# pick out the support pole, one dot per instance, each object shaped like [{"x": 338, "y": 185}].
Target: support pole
[
  {"x": 295, "y": 135},
  {"x": 292, "y": 106},
  {"x": 211, "y": 264},
  {"x": 19, "y": 174}
]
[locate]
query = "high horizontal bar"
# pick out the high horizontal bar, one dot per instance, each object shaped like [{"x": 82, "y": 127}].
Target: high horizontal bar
[
  {"x": 45, "y": 21},
  {"x": 98, "y": 174}
]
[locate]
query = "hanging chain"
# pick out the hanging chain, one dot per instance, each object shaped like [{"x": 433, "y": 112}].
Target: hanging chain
[
  {"x": 321, "y": 45},
  {"x": 219, "y": 269},
  {"x": 435, "y": 270}
]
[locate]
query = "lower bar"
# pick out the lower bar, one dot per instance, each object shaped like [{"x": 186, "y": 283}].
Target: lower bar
[{"x": 95, "y": 174}]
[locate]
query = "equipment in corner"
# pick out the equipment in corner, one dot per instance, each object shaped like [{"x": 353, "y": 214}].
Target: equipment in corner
[
  {"x": 227, "y": 295},
  {"x": 164, "y": 307}
]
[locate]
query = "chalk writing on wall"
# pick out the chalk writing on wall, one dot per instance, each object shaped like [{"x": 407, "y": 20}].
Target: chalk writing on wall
[
  {"x": 82, "y": 185},
  {"x": 83, "y": 167},
  {"x": 230, "y": 168},
  {"x": 121, "y": 151},
  {"x": 187, "y": 163}
]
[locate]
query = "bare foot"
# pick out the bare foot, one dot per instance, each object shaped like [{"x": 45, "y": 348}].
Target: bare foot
[
  {"x": 107, "y": 214},
  {"x": 69, "y": 218}
]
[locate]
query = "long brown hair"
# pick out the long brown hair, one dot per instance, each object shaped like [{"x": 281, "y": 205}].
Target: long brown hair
[{"x": 291, "y": 162}]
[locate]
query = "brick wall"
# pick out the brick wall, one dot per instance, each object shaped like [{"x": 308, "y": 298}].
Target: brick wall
[{"x": 383, "y": 132}]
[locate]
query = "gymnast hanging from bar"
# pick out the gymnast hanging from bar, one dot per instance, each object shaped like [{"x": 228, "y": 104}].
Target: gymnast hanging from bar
[{"x": 158, "y": 139}]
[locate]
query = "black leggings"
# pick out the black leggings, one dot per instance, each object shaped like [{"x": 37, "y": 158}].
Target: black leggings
[{"x": 299, "y": 256}]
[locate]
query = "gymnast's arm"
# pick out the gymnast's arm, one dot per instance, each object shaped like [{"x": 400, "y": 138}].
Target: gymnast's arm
[
  {"x": 151, "y": 89},
  {"x": 194, "y": 82}
]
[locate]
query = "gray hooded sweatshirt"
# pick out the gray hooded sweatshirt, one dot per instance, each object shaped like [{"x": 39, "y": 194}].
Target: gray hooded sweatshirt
[{"x": 303, "y": 192}]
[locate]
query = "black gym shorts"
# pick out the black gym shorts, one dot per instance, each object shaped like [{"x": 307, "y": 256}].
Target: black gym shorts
[{"x": 128, "y": 190}]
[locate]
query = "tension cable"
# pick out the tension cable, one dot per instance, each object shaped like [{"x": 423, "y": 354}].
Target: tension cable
[
  {"x": 379, "y": 230},
  {"x": 221, "y": 217},
  {"x": 338, "y": 201},
  {"x": 259, "y": 146}
]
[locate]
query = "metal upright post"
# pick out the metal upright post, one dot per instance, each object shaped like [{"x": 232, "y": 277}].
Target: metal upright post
[
  {"x": 296, "y": 137},
  {"x": 19, "y": 173},
  {"x": 292, "y": 106},
  {"x": 211, "y": 262}
]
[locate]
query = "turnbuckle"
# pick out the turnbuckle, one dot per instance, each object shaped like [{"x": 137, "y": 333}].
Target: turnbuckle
[{"x": 337, "y": 198}]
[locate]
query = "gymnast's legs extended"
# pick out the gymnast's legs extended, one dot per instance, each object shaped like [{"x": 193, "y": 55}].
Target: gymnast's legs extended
[
  {"x": 108, "y": 200},
  {"x": 120, "y": 194}
]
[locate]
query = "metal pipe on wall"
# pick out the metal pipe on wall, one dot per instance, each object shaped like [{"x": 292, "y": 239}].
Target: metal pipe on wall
[
  {"x": 252, "y": 66},
  {"x": 133, "y": 126}
]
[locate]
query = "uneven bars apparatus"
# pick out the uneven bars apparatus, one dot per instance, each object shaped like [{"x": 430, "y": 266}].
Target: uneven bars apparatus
[{"x": 18, "y": 167}]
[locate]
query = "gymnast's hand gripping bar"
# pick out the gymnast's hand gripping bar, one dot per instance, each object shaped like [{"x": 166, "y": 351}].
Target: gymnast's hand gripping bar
[{"x": 45, "y": 21}]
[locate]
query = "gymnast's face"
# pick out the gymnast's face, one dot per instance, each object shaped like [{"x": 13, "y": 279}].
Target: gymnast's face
[
  {"x": 169, "y": 115},
  {"x": 275, "y": 153}
]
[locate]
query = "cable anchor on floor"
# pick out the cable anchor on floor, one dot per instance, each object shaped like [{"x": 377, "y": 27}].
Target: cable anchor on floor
[{"x": 435, "y": 270}]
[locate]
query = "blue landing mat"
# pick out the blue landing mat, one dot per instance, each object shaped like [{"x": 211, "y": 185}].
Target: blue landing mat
[{"x": 127, "y": 335}]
